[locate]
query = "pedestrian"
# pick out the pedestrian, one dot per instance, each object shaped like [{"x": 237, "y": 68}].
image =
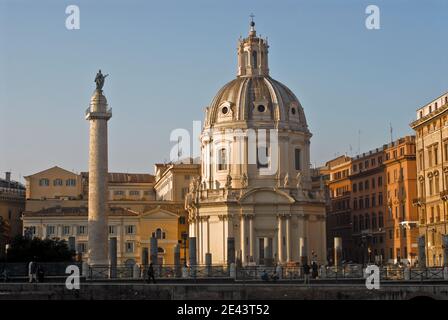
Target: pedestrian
[
  {"x": 306, "y": 273},
  {"x": 32, "y": 271},
  {"x": 151, "y": 274},
  {"x": 264, "y": 276},
  {"x": 314, "y": 268}
]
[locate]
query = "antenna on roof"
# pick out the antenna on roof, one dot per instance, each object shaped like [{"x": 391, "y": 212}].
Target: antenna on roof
[{"x": 391, "y": 132}]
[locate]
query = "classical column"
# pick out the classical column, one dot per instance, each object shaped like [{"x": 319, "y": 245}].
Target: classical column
[
  {"x": 303, "y": 246},
  {"x": 288, "y": 238},
  {"x": 280, "y": 238},
  {"x": 98, "y": 114},
  {"x": 192, "y": 251},
  {"x": 251, "y": 238},
  {"x": 243, "y": 239},
  {"x": 337, "y": 251},
  {"x": 207, "y": 236}
]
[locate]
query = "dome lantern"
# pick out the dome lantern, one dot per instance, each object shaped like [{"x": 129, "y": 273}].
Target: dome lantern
[{"x": 253, "y": 54}]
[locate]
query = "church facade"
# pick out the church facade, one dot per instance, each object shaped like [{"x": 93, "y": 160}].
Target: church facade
[{"x": 254, "y": 202}]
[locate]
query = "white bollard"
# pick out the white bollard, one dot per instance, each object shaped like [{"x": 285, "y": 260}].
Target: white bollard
[
  {"x": 323, "y": 272},
  {"x": 184, "y": 272},
  {"x": 279, "y": 272},
  {"x": 407, "y": 274},
  {"x": 232, "y": 271}
]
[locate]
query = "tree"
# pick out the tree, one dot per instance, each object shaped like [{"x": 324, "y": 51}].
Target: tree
[{"x": 23, "y": 249}]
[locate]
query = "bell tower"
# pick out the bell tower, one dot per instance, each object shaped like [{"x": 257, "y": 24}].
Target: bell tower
[{"x": 253, "y": 54}]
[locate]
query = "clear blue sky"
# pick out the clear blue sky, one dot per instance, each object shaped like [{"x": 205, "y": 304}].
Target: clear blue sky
[{"x": 167, "y": 59}]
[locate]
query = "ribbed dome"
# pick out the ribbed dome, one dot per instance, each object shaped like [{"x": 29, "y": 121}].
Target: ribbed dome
[{"x": 257, "y": 98}]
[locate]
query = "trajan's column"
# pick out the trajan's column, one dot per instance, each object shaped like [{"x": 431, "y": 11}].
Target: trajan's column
[{"x": 98, "y": 114}]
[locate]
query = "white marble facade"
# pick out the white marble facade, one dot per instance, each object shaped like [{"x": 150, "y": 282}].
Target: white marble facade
[{"x": 255, "y": 184}]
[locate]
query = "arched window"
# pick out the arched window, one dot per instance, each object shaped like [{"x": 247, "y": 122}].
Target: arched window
[
  {"x": 297, "y": 160},
  {"x": 159, "y": 234},
  {"x": 254, "y": 59},
  {"x": 222, "y": 159}
]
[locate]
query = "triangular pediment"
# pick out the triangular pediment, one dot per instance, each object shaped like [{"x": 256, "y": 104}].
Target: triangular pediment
[
  {"x": 159, "y": 213},
  {"x": 54, "y": 169}
]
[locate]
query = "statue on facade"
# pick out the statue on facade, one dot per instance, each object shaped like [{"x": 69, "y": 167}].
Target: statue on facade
[
  {"x": 299, "y": 181},
  {"x": 99, "y": 80},
  {"x": 244, "y": 180},
  {"x": 229, "y": 182},
  {"x": 286, "y": 180}
]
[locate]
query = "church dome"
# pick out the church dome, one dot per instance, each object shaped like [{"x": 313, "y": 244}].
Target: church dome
[
  {"x": 257, "y": 98},
  {"x": 254, "y": 98}
]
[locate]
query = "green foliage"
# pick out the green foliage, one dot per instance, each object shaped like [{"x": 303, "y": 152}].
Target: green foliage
[{"x": 23, "y": 249}]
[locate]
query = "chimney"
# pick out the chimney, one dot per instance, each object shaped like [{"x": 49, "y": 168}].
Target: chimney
[{"x": 8, "y": 176}]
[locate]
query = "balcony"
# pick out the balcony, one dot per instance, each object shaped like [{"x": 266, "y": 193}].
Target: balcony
[{"x": 98, "y": 115}]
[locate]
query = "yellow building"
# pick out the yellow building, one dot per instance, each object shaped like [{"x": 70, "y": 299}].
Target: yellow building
[
  {"x": 401, "y": 185},
  {"x": 139, "y": 208},
  {"x": 431, "y": 128},
  {"x": 12, "y": 204}
]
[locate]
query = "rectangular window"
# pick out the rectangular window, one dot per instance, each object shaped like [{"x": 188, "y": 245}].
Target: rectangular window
[
  {"x": 129, "y": 246},
  {"x": 118, "y": 192},
  {"x": 436, "y": 155},
  {"x": 66, "y": 230},
  {"x": 380, "y": 198},
  {"x": 222, "y": 159},
  {"x": 130, "y": 229},
  {"x": 134, "y": 193},
  {"x": 82, "y": 230},
  {"x": 297, "y": 159},
  {"x": 51, "y": 230},
  {"x": 70, "y": 182},
  {"x": 445, "y": 150},
  {"x": 112, "y": 230},
  {"x": 380, "y": 181},
  {"x": 44, "y": 182}
]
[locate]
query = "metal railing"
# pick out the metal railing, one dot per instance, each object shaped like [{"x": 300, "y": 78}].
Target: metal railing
[{"x": 245, "y": 273}]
